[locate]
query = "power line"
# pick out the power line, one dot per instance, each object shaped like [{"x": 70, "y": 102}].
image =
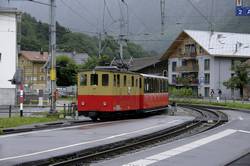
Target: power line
[
  {"x": 89, "y": 12},
  {"x": 34, "y": 1},
  {"x": 77, "y": 14},
  {"x": 106, "y": 5},
  {"x": 198, "y": 10}
]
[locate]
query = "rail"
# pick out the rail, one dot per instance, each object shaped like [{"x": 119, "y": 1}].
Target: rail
[{"x": 205, "y": 119}]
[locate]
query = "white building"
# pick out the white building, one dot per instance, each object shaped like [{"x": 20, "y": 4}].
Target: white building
[
  {"x": 8, "y": 54},
  {"x": 203, "y": 60}
]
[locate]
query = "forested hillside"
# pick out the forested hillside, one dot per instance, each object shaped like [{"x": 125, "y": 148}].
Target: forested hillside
[{"x": 35, "y": 36}]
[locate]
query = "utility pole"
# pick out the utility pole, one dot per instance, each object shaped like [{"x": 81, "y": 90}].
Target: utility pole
[
  {"x": 52, "y": 54},
  {"x": 99, "y": 44},
  {"x": 122, "y": 30},
  {"x": 162, "y": 16}
]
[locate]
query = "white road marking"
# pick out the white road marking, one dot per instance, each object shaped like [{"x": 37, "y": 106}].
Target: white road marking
[
  {"x": 49, "y": 130},
  {"x": 240, "y": 118},
  {"x": 170, "y": 153},
  {"x": 82, "y": 143},
  {"x": 244, "y": 131}
]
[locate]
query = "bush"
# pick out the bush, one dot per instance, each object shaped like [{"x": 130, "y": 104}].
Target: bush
[{"x": 182, "y": 92}]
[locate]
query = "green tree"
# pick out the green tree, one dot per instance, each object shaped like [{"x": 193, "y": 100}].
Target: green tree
[
  {"x": 94, "y": 61},
  {"x": 66, "y": 71},
  {"x": 240, "y": 78}
]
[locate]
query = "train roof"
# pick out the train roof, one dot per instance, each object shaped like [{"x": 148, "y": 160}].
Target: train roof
[
  {"x": 154, "y": 76},
  {"x": 110, "y": 70},
  {"x": 114, "y": 69}
]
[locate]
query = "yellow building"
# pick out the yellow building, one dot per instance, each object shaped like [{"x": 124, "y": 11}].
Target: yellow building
[{"x": 34, "y": 76}]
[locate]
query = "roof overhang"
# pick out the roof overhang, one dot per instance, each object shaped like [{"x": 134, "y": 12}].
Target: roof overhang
[
  {"x": 174, "y": 45},
  {"x": 10, "y": 10}
]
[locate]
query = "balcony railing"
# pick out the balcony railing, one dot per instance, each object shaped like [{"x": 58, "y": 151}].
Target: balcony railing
[
  {"x": 192, "y": 68},
  {"x": 181, "y": 81}
]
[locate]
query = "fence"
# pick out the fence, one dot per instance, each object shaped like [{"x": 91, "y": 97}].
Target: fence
[{"x": 34, "y": 111}]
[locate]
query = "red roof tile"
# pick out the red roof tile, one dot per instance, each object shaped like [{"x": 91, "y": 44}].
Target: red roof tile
[{"x": 35, "y": 56}]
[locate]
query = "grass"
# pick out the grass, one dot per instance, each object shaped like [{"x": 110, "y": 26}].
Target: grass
[
  {"x": 227, "y": 104},
  {"x": 20, "y": 121}
]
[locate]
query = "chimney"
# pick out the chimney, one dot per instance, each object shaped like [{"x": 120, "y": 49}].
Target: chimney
[{"x": 41, "y": 51}]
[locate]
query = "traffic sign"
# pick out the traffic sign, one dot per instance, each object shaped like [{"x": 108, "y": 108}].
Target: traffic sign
[{"x": 242, "y": 11}]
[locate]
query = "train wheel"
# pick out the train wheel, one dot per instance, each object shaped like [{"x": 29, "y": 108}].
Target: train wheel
[{"x": 94, "y": 119}]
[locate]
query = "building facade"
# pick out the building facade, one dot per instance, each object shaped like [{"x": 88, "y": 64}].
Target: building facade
[
  {"x": 9, "y": 19},
  {"x": 203, "y": 60},
  {"x": 34, "y": 75}
]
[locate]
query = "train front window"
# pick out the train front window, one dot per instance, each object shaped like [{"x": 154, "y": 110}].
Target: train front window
[
  {"x": 94, "y": 79},
  {"x": 83, "y": 79},
  {"x": 114, "y": 81},
  {"x": 140, "y": 83},
  {"x": 118, "y": 79},
  {"x": 105, "y": 80},
  {"x": 132, "y": 80},
  {"x": 125, "y": 81}
]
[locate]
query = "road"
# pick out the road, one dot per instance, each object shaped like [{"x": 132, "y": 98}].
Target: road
[
  {"x": 216, "y": 147},
  {"x": 37, "y": 145}
]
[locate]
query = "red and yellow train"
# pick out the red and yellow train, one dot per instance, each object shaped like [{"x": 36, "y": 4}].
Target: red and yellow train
[{"x": 105, "y": 93}]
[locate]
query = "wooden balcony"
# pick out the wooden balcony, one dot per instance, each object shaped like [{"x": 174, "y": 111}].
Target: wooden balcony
[{"x": 189, "y": 68}]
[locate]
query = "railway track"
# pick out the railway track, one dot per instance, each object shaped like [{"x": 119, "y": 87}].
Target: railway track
[{"x": 206, "y": 119}]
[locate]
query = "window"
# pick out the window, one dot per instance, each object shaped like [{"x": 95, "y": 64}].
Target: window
[
  {"x": 234, "y": 63},
  {"x": 42, "y": 70},
  {"x": 0, "y": 57},
  {"x": 184, "y": 62},
  {"x": 42, "y": 78},
  {"x": 125, "y": 81},
  {"x": 140, "y": 83},
  {"x": 207, "y": 64},
  {"x": 201, "y": 50},
  {"x": 174, "y": 66},
  {"x": 83, "y": 79},
  {"x": 165, "y": 73},
  {"x": 118, "y": 79},
  {"x": 190, "y": 49},
  {"x": 105, "y": 80},
  {"x": 207, "y": 78},
  {"x": 94, "y": 79},
  {"x": 151, "y": 85},
  {"x": 206, "y": 91},
  {"x": 146, "y": 84},
  {"x": 136, "y": 82},
  {"x": 174, "y": 79},
  {"x": 114, "y": 80},
  {"x": 133, "y": 81}
]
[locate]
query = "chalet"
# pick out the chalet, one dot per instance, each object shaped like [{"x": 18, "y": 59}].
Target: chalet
[
  {"x": 34, "y": 75},
  {"x": 203, "y": 60}
]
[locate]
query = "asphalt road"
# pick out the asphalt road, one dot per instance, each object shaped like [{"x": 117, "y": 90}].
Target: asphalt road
[
  {"x": 31, "y": 146},
  {"x": 216, "y": 147}
]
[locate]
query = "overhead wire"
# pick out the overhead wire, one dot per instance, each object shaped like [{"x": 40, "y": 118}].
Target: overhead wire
[
  {"x": 77, "y": 14},
  {"x": 198, "y": 10}
]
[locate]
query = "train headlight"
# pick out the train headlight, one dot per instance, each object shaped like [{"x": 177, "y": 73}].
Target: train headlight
[
  {"x": 82, "y": 103},
  {"x": 104, "y": 103}
]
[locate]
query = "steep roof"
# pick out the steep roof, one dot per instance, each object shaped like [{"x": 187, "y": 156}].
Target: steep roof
[
  {"x": 35, "y": 56},
  {"x": 140, "y": 63},
  {"x": 216, "y": 43}
]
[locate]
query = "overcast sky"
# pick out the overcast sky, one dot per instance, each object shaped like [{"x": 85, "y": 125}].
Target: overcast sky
[{"x": 144, "y": 16}]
